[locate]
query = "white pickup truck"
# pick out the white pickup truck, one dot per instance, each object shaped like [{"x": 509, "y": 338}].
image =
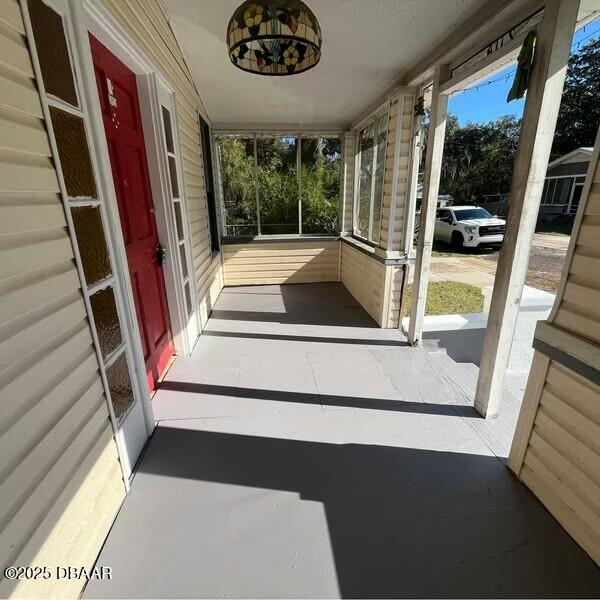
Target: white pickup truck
[{"x": 468, "y": 227}]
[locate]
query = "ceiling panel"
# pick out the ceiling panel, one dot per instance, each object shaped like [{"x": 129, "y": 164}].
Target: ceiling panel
[{"x": 366, "y": 46}]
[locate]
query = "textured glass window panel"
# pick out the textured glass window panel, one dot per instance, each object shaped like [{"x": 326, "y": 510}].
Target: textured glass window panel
[
  {"x": 238, "y": 178},
  {"x": 320, "y": 176},
  {"x": 119, "y": 384},
  {"x": 184, "y": 267},
  {"x": 365, "y": 181},
  {"x": 178, "y": 220},
  {"x": 106, "y": 317},
  {"x": 91, "y": 243},
  {"x": 53, "y": 52},
  {"x": 188, "y": 299},
  {"x": 74, "y": 153},
  {"x": 379, "y": 176},
  {"x": 173, "y": 176},
  {"x": 277, "y": 175},
  {"x": 168, "y": 129}
]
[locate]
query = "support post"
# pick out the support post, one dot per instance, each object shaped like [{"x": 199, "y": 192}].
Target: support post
[
  {"x": 347, "y": 187},
  {"x": 431, "y": 185},
  {"x": 553, "y": 45}
]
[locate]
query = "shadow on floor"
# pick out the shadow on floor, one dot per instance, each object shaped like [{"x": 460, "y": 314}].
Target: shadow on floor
[
  {"x": 221, "y": 515},
  {"x": 322, "y": 399},
  {"x": 461, "y": 345},
  {"x": 392, "y": 343},
  {"x": 296, "y": 304}
]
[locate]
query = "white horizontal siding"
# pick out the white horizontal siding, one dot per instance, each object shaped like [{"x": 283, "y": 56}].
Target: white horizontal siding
[
  {"x": 364, "y": 278},
  {"x": 53, "y": 412},
  {"x": 558, "y": 433},
  {"x": 398, "y": 144},
  {"x": 276, "y": 263}
]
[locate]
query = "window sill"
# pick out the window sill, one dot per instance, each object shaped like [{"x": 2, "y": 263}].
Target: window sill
[
  {"x": 273, "y": 239},
  {"x": 371, "y": 251}
]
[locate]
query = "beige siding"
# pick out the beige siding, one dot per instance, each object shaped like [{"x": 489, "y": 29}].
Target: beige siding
[
  {"x": 562, "y": 461},
  {"x": 365, "y": 278},
  {"x": 289, "y": 262},
  {"x": 556, "y": 450},
  {"x": 150, "y": 30},
  {"x": 60, "y": 478},
  {"x": 579, "y": 311},
  {"x": 395, "y": 276},
  {"x": 398, "y": 144},
  {"x": 347, "y": 202}
]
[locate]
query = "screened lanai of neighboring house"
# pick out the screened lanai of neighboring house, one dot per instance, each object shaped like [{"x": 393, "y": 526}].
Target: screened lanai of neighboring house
[{"x": 206, "y": 244}]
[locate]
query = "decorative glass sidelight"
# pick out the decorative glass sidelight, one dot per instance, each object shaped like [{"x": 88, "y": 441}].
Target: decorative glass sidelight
[{"x": 87, "y": 216}]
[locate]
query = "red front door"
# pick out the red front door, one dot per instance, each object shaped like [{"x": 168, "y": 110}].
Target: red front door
[{"x": 123, "y": 126}]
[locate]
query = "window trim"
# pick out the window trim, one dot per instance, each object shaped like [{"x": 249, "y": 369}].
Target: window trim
[
  {"x": 553, "y": 181},
  {"x": 254, "y": 135},
  {"x": 372, "y": 120}
]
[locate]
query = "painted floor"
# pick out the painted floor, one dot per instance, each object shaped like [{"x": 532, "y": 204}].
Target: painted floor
[{"x": 303, "y": 452}]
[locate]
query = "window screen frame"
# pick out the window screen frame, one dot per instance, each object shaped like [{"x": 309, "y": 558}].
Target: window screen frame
[
  {"x": 371, "y": 121},
  {"x": 254, "y": 135}
]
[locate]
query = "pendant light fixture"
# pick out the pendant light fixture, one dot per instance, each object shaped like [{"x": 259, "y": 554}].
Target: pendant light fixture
[{"x": 274, "y": 37}]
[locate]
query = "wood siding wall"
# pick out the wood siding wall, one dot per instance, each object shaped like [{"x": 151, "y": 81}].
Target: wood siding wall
[
  {"x": 579, "y": 310},
  {"x": 364, "y": 277},
  {"x": 60, "y": 477},
  {"x": 150, "y": 30},
  {"x": 347, "y": 201},
  {"x": 395, "y": 198},
  {"x": 376, "y": 286},
  {"x": 395, "y": 276},
  {"x": 556, "y": 449},
  {"x": 285, "y": 262},
  {"x": 561, "y": 464}
]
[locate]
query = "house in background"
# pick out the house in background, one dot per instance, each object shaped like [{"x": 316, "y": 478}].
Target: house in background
[
  {"x": 563, "y": 186},
  {"x": 564, "y": 183}
]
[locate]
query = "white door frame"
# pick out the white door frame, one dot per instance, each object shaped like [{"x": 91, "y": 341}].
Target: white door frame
[
  {"x": 137, "y": 425},
  {"x": 90, "y": 16},
  {"x": 151, "y": 86},
  {"x": 187, "y": 325}
]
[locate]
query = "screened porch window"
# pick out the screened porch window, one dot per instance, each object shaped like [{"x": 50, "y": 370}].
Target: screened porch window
[
  {"x": 279, "y": 185},
  {"x": 557, "y": 190},
  {"x": 372, "y": 141}
]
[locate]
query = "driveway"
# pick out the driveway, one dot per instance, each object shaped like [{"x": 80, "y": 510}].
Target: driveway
[{"x": 546, "y": 261}]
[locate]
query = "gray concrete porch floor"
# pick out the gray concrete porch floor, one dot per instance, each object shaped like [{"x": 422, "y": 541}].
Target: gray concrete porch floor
[{"x": 303, "y": 452}]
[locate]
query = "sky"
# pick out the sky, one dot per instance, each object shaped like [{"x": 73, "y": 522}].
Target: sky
[{"x": 487, "y": 100}]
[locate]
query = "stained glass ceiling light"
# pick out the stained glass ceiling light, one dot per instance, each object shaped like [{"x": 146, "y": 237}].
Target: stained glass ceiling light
[{"x": 274, "y": 37}]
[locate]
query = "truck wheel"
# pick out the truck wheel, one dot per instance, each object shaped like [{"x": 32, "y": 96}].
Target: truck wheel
[{"x": 457, "y": 240}]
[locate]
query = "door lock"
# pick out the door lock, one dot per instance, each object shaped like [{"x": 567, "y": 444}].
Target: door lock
[{"x": 161, "y": 254}]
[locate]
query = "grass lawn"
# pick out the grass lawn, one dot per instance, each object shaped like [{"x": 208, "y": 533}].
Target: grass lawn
[{"x": 448, "y": 298}]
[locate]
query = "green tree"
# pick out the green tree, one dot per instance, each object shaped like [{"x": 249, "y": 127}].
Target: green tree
[
  {"x": 275, "y": 174},
  {"x": 478, "y": 158},
  {"x": 579, "y": 114}
]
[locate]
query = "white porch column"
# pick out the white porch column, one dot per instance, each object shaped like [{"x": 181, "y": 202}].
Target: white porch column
[
  {"x": 433, "y": 170},
  {"x": 544, "y": 93}
]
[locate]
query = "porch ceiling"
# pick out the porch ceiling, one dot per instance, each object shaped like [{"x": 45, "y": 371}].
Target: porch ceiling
[{"x": 367, "y": 45}]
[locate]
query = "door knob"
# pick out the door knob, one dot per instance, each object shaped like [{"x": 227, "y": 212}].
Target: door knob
[{"x": 161, "y": 254}]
